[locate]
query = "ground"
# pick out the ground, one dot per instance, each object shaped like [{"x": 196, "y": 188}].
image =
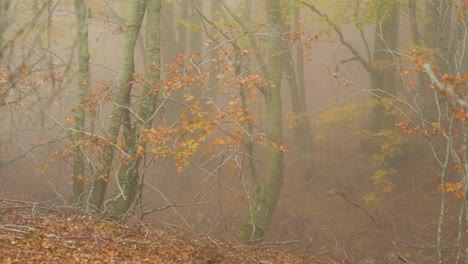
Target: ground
[{"x": 33, "y": 233}]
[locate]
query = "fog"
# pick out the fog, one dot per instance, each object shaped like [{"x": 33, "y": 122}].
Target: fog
[{"x": 360, "y": 158}]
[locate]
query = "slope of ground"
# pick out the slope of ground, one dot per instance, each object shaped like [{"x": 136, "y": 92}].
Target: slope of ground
[{"x": 30, "y": 233}]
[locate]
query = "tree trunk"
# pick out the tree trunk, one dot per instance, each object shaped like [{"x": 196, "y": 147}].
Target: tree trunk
[
  {"x": 249, "y": 127},
  {"x": 435, "y": 36},
  {"x": 4, "y": 24},
  {"x": 169, "y": 45},
  {"x": 82, "y": 90},
  {"x": 123, "y": 88},
  {"x": 437, "y": 32},
  {"x": 182, "y": 28},
  {"x": 413, "y": 11},
  {"x": 383, "y": 78},
  {"x": 267, "y": 198},
  {"x": 295, "y": 77},
  {"x": 128, "y": 174},
  {"x": 195, "y": 32},
  {"x": 416, "y": 34},
  {"x": 212, "y": 81}
]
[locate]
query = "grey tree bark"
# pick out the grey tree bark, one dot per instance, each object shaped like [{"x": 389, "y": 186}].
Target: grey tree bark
[
  {"x": 122, "y": 93},
  {"x": 82, "y": 90},
  {"x": 383, "y": 77},
  {"x": 195, "y": 31},
  {"x": 181, "y": 28},
  {"x": 128, "y": 174},
  {"x": 267, "y": 197},
  {"x": 169, "y": 40},
  {"x": 294, "y": 71}
]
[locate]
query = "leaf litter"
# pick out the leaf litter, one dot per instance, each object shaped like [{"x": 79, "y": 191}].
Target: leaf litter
[{"x": 33, "y": 234}]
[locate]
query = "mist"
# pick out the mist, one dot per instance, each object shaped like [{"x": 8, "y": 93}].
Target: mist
[{"x": 329, "y": 128}]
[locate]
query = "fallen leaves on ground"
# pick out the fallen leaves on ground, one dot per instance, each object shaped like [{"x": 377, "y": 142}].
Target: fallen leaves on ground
[{"x": 29, "y": 234}]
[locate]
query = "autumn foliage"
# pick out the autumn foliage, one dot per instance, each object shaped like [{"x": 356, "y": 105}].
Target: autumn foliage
[{"x": 42, "y": 235}]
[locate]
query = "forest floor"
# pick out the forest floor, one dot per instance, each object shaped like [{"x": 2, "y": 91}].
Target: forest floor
[{"x": 31, "y": 233}]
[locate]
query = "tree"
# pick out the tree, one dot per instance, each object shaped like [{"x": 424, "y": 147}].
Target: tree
[
  {"x": 128, "y": 174},
  {"x": 294, "y": 72},
  {"x": 383, "y": 77},
  {"x": 181, "y": 27},
  {"x": 122, "y": 97},
  {"x": 169, "y": 41},
  {"x": 195, "y": 24},
  {"x": 440, "y": 61},
  {"x": 82, "y": 90},
  {"x": 267, "y": 197}
]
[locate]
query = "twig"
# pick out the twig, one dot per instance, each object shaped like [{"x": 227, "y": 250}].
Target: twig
[
  {"x": 169, "y": 206},
  {"x": 278, "y": 243},
  {"x": 356, "y": 55},
  {"x": 379, "y": 225}
]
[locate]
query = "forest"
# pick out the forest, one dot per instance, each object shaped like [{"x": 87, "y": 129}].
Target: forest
[{"x": 234, "y": 131}]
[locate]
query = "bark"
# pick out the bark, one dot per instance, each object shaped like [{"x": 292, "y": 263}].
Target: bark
[
  {"x": 437, "y": 33},
  {"x": 123, "y": 88},
  {"x": 4, "y": 23},
  {"x": 295, "y": 75},
  {"x": 196, "y": 37},
  {"x": 174, "y": 107},
  {"x": 181, "y": 28},
  {"x": 383, "y": 78},
  {"x": 128, "y": 174},
  {"x": 213, "y": 92},
  {"x": 267, "y": 198},
  {"x": 249, "y": 127},
  {"x": 82, "y": 90},
  {"x": 465, "y": 56},
  {"x": 169, "y": 45},
  {"x": 241, "y": 63},
  {"x": 195, "y": 32},
  {"x": 436, "y": 37},
  {"x": 413, "y": 11}
]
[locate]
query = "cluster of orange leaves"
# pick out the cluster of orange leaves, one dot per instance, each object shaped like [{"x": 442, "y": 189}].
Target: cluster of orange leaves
[
  {"x": 405, "y": 127},
  {"x": 202, "y": 126},
  {"x": 452, "y": 187},
  {"x": 453, "y": 86}
]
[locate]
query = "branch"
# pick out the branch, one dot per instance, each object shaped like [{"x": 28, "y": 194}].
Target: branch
[
  {"x": 378, "y": 224},
  {"x": 167, "y": 207},
  {"x": 446, "y": 89},
  {"x": 356, "y": 55}
]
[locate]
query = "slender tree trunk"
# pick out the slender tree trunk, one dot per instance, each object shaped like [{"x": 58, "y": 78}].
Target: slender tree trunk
[
  {"x": 464, "y": 58},
  {"x": 196, "y": 37},
  {"x": 437, "y": 32},
  {"x": 4, "y": 23},
  {"x": 413, "y": 11},
  {"x": 249, "y": 127},
  {"x": 267, "y": 198},
  {"x": 435, "y": 37},
  {"x": 383, "y": 78},
  {"x": 181, "y": 28},
  {"x": 213, "y": 92},
  {"x": 123, "y": 88},
  {"x": 415, "y": 32},
  {"x": 195, "y": 31},
  {"x": 169, "y": 42},
  {"x": 4, "y": 7},
  {"x": 82, "y": 90},
  {"x": 128, "y": 174},
  {"x": 173, "y": 108},
  {"x": 295, "y": 77}
]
